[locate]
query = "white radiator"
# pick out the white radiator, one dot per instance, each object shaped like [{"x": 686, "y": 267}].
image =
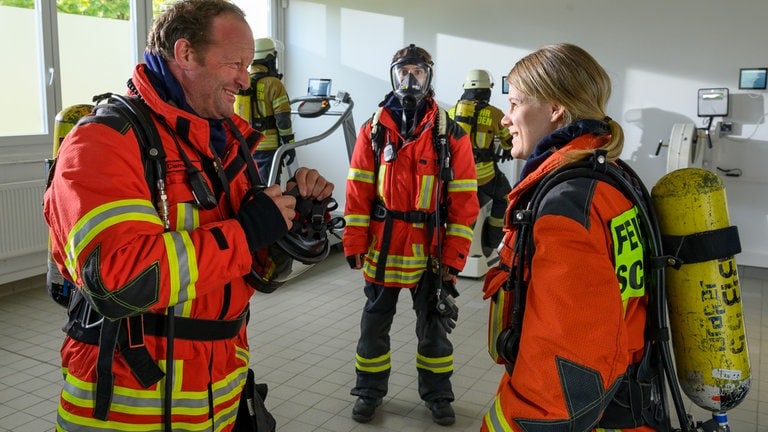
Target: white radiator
[{"x": 22, "y": 227}]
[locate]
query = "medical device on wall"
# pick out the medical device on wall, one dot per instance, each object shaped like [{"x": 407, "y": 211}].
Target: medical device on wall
[{"x": 713, "y": 102}]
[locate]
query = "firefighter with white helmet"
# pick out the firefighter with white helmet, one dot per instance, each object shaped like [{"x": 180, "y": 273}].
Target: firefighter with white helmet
[
  {"x": 491, "y": 144},
  {"x": 266, "y": 105}
]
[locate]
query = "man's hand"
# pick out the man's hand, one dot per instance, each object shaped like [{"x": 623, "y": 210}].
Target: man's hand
[
  {"x": 311, "y": 184},
  {"x": 265, "y": 215},
  {"x": 285, "y": 203},
  {"x": 355, "y": 261}
]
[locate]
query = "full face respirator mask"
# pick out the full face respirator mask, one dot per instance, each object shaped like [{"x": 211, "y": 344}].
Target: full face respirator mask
[{"x": 411, "y": 78}]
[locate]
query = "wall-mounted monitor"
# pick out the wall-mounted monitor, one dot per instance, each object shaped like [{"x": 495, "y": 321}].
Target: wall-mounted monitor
[
  {"x": 753, "y": 78},
  {"x": 504, "y": 85}
]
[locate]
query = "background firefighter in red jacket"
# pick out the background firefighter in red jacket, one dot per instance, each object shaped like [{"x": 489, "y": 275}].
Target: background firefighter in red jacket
[
  {"x": 582, "y": 327},
  {"x": 166, "y": 274},
  {"x": 403, "y": 177}
]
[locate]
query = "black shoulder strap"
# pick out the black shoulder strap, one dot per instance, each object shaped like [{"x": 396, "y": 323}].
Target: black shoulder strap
[
  {"x": 656, "y": 354},
  {"x": 138, "y": 115}
]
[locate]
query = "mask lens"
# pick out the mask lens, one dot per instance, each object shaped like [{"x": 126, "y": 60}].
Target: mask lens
[{"x": 410, "y": 81}]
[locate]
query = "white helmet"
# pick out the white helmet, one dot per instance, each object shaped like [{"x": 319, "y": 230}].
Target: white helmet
[
  {"x": 478, "y": 79},
  {"x": 263, "y": 47}
]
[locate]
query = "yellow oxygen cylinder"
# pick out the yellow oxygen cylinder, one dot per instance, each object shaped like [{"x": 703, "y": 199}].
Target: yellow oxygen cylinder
[
  {"x": 243, "y": 105},
  {"x": 59, "y": 288},
  {"x": 465, "y": 111},
  {"x": 243, "y": 99},
  {"x": 703, "y": 294}
]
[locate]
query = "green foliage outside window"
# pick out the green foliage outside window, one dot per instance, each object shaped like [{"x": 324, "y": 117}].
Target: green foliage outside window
[{"x": 115, "y": 9}]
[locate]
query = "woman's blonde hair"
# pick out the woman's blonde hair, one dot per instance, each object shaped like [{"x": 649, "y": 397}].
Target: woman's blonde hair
[{"x": 567, "y": 75}]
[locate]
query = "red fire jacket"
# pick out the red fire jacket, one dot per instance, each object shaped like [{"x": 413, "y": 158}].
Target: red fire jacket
[
  {"x": 107, "y": 237},
  {"x": 409, "y": 183},
  {"x": 579, "y": 331}
]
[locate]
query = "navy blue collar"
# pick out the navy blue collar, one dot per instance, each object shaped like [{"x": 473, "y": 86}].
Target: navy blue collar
[
  {"x": 169, "y": 89},
  {"x": 559, "y": 138}
]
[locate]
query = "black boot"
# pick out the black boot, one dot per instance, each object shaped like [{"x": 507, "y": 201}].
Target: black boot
[
  {"x": 365, "y": 409},
  {"x": 442, "y": 412}
]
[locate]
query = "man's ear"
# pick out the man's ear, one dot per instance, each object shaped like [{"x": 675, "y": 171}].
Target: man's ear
[{"x": 183, "y": 53}]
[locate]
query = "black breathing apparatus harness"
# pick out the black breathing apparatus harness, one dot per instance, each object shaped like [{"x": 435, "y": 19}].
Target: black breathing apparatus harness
[
  {"x": 641, "y": 398},
  {"x": 380, "y": 212},
  {"x": 480, "y": 154},
  {"x": 260, "y": 122}
]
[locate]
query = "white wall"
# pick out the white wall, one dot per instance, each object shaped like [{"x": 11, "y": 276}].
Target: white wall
[{"x": 658, "y": 53}]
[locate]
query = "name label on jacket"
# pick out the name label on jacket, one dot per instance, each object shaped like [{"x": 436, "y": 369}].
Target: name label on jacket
[{"x": 628, "y": 253}]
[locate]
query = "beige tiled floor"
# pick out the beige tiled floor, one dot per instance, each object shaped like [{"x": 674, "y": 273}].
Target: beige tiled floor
[{"x": 303, "y": 339}]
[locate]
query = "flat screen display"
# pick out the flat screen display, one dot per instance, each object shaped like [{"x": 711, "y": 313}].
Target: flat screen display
[
  {"x": 319, "y": 87},
  {"x": 753, "y": 78}
]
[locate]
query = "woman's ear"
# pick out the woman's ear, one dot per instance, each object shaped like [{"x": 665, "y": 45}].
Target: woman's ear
[{"x": 558, "y": 113}]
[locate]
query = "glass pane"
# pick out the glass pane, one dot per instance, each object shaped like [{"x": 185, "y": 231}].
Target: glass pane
[
  {"x": 21, "y": 85},
  {"x": 95, "y": 48},
  {"x": 256, "y": 13}
]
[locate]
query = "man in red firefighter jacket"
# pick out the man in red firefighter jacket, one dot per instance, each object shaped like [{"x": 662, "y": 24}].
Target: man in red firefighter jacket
[
  {"x": 140, "y": 253},
  {"x": 411, "y": 204}
]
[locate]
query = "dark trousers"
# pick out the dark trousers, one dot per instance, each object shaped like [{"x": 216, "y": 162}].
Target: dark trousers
[
  {"x": 264, "y": 162},
  {"x": 495, "y": 190},
  {"x": 374, "y": 342}
]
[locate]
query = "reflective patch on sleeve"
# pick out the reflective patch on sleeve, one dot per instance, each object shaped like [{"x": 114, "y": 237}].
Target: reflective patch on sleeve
[{"x": 628, "y": 251}]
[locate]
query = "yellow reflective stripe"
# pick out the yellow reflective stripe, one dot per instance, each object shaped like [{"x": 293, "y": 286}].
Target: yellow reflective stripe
[
  {"x": 462, "y": 185},
  {"x": 394, "y": 276},
  {"x": 357, "y": 220},
  {"x": 182, "y": 267},
  {"x": 494, "y": 420},
  {"x": 628, "y": 254},
  {"x": 435, "y": 364},
  {"x": 417, "y": 261},
  {"x": 364, "y": 176},
  {"x": 101, "y": 218},
  {"x": 243, "y": 354},
  {"x": 426, "y": 191},
  {"x": 484, "y": 170},
  {"x": 495, "y": 222},
  {"x": 373, "y": 365},
  {"x": 280, "y": 100},
  {"x": 403, "y": 270},
  {"x": 187, "y": 217},
  {"x": 380, "y": 183},
  {"x": 230, "y": 387},
  {"x": 269, "y": 142},
  {"x": 151, "y": 402},
  {"x": 459, "y": 230}
]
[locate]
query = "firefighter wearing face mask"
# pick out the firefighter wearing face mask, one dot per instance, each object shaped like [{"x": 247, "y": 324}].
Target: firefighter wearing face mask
[
  {"x": 491, "y": 143},
  {"x": 266, "y": 106},
  {"x": 410, "y": 206}
]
